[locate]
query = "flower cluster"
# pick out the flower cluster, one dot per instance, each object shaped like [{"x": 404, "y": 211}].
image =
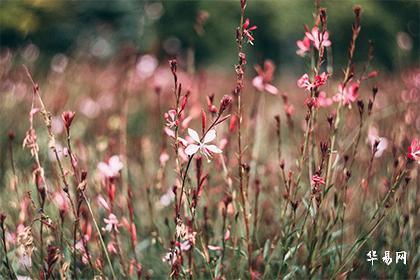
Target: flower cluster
[
  {"x": 262, "y": 82},
  {"x": 318, "y": 39},
  {"x": 307, "y": 84}
]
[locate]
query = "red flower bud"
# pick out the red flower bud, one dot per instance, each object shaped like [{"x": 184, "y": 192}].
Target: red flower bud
[{"x": 68, "y": 117}]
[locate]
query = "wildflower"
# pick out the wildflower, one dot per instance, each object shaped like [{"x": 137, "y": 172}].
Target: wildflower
[
  {"x": 134, "y": 265},
  {"x": 319, "y": 40},
  {"x": 163, "y": 158},
  {"x": 317, "y": 180},
  {"x": 323, "y": 100},
  {"x": 80, "y": 247},
  {"x": 319, "y": 80},
  {"x": 171, "y": 134},
  {"x": 167, "y": 198},
  {"x": 171, "y": 256},
  {"x": 25, "y": 241},
  {"x": 30, "y": 141},
  {"x": 111, "y": 247},
  {"x": 347, "y": 95},
  {"x": 211, "y": 107},
  {"x": 304, "y": 46},
  {"x": 304, "y": 82},
  {"x": 289, "y": 109},
  {"x": 262, "y": 82},
  {"x": 171, "y": 118},
  {"x": 112, "y": 168},
  {"x": 111, "y": 223},
  {"x": 378, "y": 143},
  {"x": 203, "y": 146},
  {"x": 224, "y": 103},
  {"x": 247, "y": 30},
  {"x": 414, "y": 150},
  {"x": 60, "y": 199},
  {"x": 67, "y": 117},
  {"x": 102, "y": 202}
]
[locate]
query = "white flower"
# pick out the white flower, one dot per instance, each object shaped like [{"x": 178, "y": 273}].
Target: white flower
[
  {"x": 203, "y": 147},
  {"x": 374, "y": 137},
  {"x": 111, "y": 223},
  {"x": 167, "y": 198},
  {"x": 112, "y": 168}
]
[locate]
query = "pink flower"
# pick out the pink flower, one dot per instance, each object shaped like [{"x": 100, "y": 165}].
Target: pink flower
[
  {"x": 61, "y": 200},
  {"x": 319, "y": 40},
  {"x": 262, "y": 82},
  {"x": 111, "y": 223},
  {"x": 414, "y": 150},
  {"x": 171, "y": 118},
  {"x": 248, "y": 31},
  {"x": 171, "y": 134},
  {"x": 373, "y": 138},
  {"x": 319, "y": 80},
  {"x": 134, "y": 265},
  {"x": 304, "y": 46},
  {"x": 112, "y": 168},
  {"x": 68, "y": 117},
  {"x": 347, "y": 95},
  {"x": 111, "y": 247},
  {"x": 317, "y": 180},
  {"x": 289, "y": 109},
  {"x": 102, "y": 202},
  {"x": 304, "y": 82},
  {"x": 323, "y": 100},
  {"x": 203, "y": 147}
]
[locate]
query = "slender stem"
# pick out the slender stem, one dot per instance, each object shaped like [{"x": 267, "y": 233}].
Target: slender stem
[
  {"x": 99, "y": 234},
  {"x": 7, "y": 263}
]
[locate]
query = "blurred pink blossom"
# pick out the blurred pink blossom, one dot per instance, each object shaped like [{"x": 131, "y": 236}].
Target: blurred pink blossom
[
  {"x": 304, "y": 46},
  {"x": 111, "y": 223},
  {"x": 348, "y": 94},
  {"x": 318, "y": 39},
  {"x": 112, "y": 168},
  {"x": 323, "y": 100},
  {"x": 262, "y": 82}
]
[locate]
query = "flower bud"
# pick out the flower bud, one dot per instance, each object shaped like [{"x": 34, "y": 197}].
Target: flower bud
[
  {"x": 68, "y": 117},
  {"x": 173, "y": 64},
  {"x": 224, "y": 103}
]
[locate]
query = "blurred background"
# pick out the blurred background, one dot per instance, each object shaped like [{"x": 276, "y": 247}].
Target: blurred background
[{"x": 202, "y": 32}]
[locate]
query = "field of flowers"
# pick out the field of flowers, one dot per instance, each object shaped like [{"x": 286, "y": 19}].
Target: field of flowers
[{"x": 145, "y": 169}]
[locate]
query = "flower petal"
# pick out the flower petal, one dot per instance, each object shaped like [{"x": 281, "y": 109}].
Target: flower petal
[
  {"x": 191, "y": 149},
  {"x": 257, "y": 82},
  {"x": 271, "y": 89},
  {"x": 213, "y": 149},
  {"x": 210, "y": 136},
  {"x": 194, "y": 135}
]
